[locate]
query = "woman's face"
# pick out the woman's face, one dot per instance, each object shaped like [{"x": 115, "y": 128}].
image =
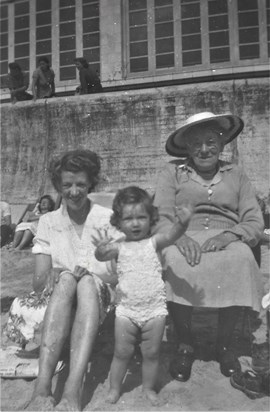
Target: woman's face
[
  {"x": 204, "y": 146},
  {"x": 44, "y": 206},
  {"x": 74, "y": 189},
  {"x": 78, "y": 65},
  {"x": 43, "y": 65}
]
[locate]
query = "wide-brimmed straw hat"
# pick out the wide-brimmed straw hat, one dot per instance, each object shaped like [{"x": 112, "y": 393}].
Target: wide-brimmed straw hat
[{"x": 230, "y": 125}]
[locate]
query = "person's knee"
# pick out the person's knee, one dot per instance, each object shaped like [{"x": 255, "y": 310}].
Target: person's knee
[
  {"x": 88, "y": 283},
  {"x": 123, "y": 352},
  {"x": 150, "y": 351},
  {"x": 66, "y": 285}
]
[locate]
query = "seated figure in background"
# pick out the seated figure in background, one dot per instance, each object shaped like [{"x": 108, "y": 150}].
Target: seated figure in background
[
  {"x": 6, "y": 228},
  {"x": 26, "y": 231},
  {"x": 43, "y": 86},
  {"x": 18, "y": 83},
  {"x": 90, "y": 82}
]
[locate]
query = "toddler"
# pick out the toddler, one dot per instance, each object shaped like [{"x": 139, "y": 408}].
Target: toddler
[{"x": 140, "y": 293}]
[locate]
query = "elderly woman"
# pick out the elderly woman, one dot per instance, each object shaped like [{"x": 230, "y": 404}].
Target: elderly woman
[
  {"x": 212, "y": 265},
  {"x": 65, "y": 263}
]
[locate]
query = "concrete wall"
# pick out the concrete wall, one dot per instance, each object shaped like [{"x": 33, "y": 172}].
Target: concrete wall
[{"x": 128, "y": 130}]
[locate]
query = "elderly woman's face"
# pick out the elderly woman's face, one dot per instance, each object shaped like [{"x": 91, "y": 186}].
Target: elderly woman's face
[
  {"x": 204, "y": 147},
  {"x": 74, "y": 188}
]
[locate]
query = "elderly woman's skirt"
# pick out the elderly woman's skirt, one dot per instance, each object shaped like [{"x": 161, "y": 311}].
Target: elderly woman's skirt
[{"x": 230, "y": 277}]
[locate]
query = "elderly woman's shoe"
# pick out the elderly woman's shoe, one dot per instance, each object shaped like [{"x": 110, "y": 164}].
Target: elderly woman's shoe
[
  {"x": 180, "y": 367},
  {"x": 248, "y": 382},
  {"x": 228, "y": 361}
]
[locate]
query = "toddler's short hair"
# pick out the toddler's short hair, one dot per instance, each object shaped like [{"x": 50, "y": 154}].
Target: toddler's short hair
[{"x": 133, "y": 195}]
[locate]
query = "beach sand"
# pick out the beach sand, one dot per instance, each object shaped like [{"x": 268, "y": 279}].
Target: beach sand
[{"x": 207, "y": 389}]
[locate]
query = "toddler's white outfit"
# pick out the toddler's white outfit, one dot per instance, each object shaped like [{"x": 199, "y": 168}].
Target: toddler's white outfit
[{"x": 140, "y": 293}]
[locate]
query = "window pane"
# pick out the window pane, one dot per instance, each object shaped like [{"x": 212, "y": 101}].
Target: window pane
[
  {"x": 137, "y": 18},
  {"x": 251, "y": 51},
  {"x": 21, "y": 22},
  {"x": 164, "y": 14},
  {"x": 192, "y": 58},
  {"x": 43, "y": 18},
  {"x": 68, "y": 73},
  {"x": 249, "y": 36},
  {"x": 218, "y": 23},
  {"x": 221, "y": 54},
  {"x": 217, "y": 7},
  {"x": 4, "y": 67},
  {"x": 138, "y": 49},
  {"x": 3, "y": 12},
  {"x": 138, "y": 33},
  {"x": 67, "y": 14},
  {"x": 248, "y": 19},
  {"x": 3, "y": 40},
  {"x": 68, "y": 43},
  {"x": 139, "y": 65},
  {"x": 90, "y": 25},
  {"x": 247, "y": 4},
  {"x": 137, "y": 4},
  {"x": 21, "y": 51},
  {"x": 21, "y": 8},
  {"x": 67, "y": 29},
  {"x": 21, "y": 36},
  {"x": 191, "y": 42},
  {"x": 43, "y": 5},
  {"x": 191, "y": 26},
  {"x": 4, "y": 53},
  {"x": 43, "y": 47},
  {"x": 4, "y": 26},
  {"x": 164, "y": 30},
  {"x": 190, "y": 10},
  {"x": 159, "y": 3},
  {"x": 67, "y": 58},
  {"x": 166, "y": 60},
  {"x": 43, "y": 32},
  {"x": 90, "y": 11},
  {"x": 90, "y": 1},
  {"x": 164, "y": 45},
  {"x": 92, "y": 55},
  {"x": 91, "y": 40},
  {"x": 220, "y": 38},
  {"x": 66, "y": 3}
]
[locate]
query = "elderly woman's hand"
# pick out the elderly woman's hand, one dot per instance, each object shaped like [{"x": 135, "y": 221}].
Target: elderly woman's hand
[
  {"x": 218, "y": 242},
  {"x": 190, "y": 249}
]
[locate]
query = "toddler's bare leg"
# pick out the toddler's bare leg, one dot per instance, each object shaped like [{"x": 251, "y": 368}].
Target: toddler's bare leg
[
  {"x": 152, "y": 333},
  {"x": 125, "y": 337}
]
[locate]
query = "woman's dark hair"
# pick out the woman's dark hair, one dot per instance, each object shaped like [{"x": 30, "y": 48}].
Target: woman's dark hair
[
  {"x": 76, "y": 161},
  {"x": 44, "y": 59},
  {"x": 14, "y": 66},
  {"x": 132, "y": 195},
  {"x": 51, "y": 202},
  {"x": 83, "y": 61}
]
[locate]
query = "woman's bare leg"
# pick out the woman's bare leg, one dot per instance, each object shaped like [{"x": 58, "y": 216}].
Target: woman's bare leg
[
  {"x": 26, "y": 239},
  {"x": 55, "y": 331},
  {"x": 83, "y": 335},
  {"x": 125, "y": 338},
  {"x": 152, "y": 333},
  {"x": 17, "y": 238}
]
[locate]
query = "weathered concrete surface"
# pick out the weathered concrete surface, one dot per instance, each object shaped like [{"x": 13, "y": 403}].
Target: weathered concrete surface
[{"x": 128, "y": 130}]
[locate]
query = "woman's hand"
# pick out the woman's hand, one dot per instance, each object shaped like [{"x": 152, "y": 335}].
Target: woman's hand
[
  {"x": 53, "y": 277},
  {"x": 190, "y": 249},
  {"x": 79, "y": 272},
  {"x": 218, "y": 242}
]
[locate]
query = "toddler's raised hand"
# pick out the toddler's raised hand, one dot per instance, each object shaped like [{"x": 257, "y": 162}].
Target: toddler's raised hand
[{"x": 184, "y": 212}]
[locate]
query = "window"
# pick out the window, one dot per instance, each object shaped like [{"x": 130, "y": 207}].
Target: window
[
  {"x": 43, "y": 29},
  {"x": 181, "y": 36},
  {"x": 21, "y": 33},
  {"x": 91, "y": 50},
  {"x": 67, "y": 39},
  {"x": 3, "y": 44}
]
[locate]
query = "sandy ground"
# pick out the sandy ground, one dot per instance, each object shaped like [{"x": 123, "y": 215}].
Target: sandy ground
[{"x": 207, "y": 389}]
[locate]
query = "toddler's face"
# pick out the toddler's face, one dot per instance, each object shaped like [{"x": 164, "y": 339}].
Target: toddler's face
[{"x": 135, "y": 222}]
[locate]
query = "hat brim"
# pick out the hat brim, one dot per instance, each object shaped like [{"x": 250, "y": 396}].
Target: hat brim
[{"x": 232, "y": 126}]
